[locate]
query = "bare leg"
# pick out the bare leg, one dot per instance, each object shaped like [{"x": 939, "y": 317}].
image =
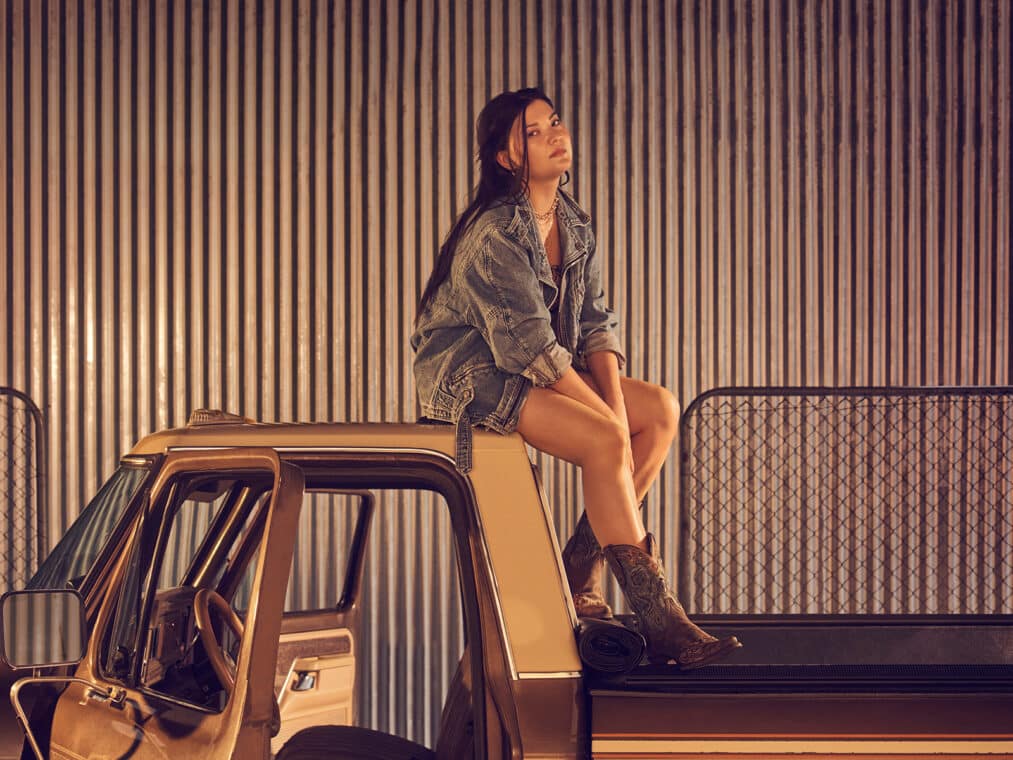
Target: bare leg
[
  {"x": 569, "y": 430},
  {"x": 653, "y": 413}
]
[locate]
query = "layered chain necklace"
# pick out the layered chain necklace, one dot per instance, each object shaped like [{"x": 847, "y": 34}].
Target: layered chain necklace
[{"x": 547, "y": 216}]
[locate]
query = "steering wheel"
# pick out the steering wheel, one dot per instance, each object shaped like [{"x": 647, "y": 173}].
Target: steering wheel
[{"x": 203, "y": 602}]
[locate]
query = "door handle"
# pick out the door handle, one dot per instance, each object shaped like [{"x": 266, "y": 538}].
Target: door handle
[
  {"x": 113, "y": 694},
  {"x": 304, "y": 680}
]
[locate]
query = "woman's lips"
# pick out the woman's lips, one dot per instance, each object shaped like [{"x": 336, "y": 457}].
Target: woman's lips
[{"x": 558, "y": 152}]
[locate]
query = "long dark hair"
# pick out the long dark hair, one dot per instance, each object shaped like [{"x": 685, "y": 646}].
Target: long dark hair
[{"x": 495, "y": 183}]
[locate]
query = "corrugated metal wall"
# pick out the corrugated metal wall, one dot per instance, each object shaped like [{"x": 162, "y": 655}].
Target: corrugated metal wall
[{"x": 236, "y": 204}]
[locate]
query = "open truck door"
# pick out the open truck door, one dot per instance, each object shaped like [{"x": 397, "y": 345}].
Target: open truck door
[{"x": 171, "y": 667}]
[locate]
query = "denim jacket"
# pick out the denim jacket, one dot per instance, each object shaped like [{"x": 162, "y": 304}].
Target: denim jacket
[{"x": 487, "y": 335}]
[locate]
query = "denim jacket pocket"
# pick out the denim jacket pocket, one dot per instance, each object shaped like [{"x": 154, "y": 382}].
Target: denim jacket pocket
[{"x": 443, "y": 403}]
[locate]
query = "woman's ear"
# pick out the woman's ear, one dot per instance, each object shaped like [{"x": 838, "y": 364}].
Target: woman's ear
[{"x": 503, "y": 159}]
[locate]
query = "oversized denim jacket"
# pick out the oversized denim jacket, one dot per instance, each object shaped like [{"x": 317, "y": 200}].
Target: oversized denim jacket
[{"x": 487, "y": 335}]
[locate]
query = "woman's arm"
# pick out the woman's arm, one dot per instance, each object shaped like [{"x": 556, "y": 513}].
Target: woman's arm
[
  {"x": 604, "y": 366},
  {"x": 570, "y": 384},
  {"x": 612, "y": 406},
  {"x": 598, "y": 323}
]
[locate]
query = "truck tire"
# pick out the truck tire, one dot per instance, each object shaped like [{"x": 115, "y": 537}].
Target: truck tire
[{"x": 350, "y": 743}]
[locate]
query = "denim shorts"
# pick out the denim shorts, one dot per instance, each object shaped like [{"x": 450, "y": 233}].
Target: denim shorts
[{"x": 505, "y": 416}]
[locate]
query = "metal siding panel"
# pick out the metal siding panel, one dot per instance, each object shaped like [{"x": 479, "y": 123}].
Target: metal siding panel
[
  {"x": 18, "y": 176},
  {"x": 122, "y": 171},
  {"x": 316, "y": 202},
  {"x": 1002, "y": 105},
  {"x": 6, "y": 181},
  {"x": 232, "y": 297},
  {"x": 105, "y": 439},
  {"x": 161, "y": 282},
  {"x": 75, "y": 411},
  {"x": 32, "y": 284},
  {"x": 48, "y": 272}
]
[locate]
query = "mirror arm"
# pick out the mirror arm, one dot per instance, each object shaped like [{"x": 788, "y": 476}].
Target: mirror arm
[{"x": 114, "y": 694}]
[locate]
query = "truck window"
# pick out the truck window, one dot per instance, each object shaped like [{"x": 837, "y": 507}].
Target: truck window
[
  {"x": 188, "y": 541},
  {"x": 320, "y": 561},
  {"x": 190, "y": 526},
  {"x": 72, "y": 558}
]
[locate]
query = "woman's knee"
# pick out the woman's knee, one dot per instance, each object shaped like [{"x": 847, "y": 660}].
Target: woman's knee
[{"x": 666, "y": 409}]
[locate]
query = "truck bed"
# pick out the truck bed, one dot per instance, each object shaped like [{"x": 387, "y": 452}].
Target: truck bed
[
  {"x": 902, "y": 654},
  {"x": 822, "y": 686}
]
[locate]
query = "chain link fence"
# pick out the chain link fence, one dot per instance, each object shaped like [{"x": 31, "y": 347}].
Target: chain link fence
[
  {"x": 22, "y": 488},
  {"x": 848, "y": 501}
]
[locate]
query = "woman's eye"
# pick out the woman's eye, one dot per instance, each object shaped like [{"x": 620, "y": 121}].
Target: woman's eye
[
  {"x": 532, "y": 133},
  {"x": 556, "y": 122}
]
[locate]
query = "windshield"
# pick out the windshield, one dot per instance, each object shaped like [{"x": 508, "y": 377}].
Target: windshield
[{"x": 74, "y": 556}]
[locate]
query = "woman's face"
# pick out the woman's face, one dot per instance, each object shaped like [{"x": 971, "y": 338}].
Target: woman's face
[{"x": 549, "y": 150}]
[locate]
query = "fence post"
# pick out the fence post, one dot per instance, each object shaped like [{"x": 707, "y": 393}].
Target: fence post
[{"x": 23, "y": 493}]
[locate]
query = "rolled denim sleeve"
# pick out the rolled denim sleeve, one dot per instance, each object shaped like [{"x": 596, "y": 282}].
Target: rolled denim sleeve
[
  {"x": 598, "y": 323},
  {"x": 505, "y": 304}
]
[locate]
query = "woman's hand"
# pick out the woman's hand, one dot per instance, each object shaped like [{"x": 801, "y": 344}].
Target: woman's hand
[
  {"x": 611, "y": 405},
  {"x": 572, "y": 384},
  {"x": 604, "y": 366}
]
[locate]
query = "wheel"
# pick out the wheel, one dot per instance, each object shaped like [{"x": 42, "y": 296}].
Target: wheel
[
  {"x": 350, "y": 743},
  {"x": 203, "y": 602}
]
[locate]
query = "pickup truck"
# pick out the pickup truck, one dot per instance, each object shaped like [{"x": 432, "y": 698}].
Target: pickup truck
[{"x": 131, "y": 642}]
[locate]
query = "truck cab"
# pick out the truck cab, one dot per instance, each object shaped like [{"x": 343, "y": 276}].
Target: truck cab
[
  {"x": 185, "y": 598},
  {"x": 214, "y": 628}
]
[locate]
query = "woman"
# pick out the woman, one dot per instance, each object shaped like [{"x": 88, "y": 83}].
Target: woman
[{"x": 513, "y": 333}]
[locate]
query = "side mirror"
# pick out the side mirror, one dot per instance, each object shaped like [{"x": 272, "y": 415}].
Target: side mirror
[{"x": 42, "y": 628}]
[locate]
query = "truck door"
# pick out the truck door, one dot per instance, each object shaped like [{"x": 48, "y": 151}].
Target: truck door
[{"x": 177, "y": 670}]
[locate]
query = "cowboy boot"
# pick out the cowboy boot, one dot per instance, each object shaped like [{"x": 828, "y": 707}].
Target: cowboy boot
[
  {"x": 584, "y": 562},
  {"x": 670, "y": 634}
]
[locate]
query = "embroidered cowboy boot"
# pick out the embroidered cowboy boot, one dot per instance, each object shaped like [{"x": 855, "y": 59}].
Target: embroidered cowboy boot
[
  {"x": 670, "y": 634},
  {"x": 584, "y": 562}
]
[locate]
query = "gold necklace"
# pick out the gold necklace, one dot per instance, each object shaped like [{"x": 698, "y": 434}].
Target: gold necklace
[{"x": 543, "y": 218}]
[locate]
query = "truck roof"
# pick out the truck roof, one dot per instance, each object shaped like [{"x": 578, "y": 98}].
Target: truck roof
[{"x": 208, "y": 429}]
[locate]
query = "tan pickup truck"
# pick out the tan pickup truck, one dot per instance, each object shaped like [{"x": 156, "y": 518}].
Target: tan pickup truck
[{"x": 163, "y": 652}]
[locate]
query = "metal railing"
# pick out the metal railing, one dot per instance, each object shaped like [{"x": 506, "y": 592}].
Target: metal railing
[
  {"x": 23, "y": 496},
  {"x": 848, "y": 501}
]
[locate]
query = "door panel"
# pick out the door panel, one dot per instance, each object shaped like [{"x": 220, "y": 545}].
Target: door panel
[
  {"x": 294, "y": 648},
  {"x": 88, "y": 727},
  {"x": 316, "y": 673},
  {"x": 316, "y": 689}
]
